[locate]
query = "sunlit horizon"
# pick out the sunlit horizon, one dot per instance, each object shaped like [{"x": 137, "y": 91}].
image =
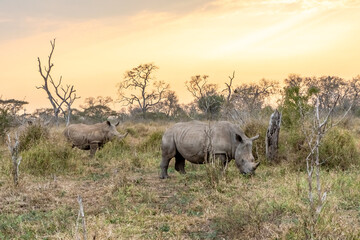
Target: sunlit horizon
[{"x": 97, "y": 42}]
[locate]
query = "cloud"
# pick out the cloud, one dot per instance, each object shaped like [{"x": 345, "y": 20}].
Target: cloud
[{"x": 260, "y": 7}]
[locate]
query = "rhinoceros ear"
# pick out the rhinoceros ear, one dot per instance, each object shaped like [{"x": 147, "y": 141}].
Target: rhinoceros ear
[
  {"x": 108, "y": 123},
  {"x": 238, "y": 138},
  {"x": 117, "y": 124}
]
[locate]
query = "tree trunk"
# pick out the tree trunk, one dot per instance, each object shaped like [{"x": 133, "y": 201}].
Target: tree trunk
[
  {"x": 68, "y": 117},
  {"x": 272, "y": 136}
]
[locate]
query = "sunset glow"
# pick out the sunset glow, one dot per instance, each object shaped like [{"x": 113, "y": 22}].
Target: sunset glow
[{"x": 96, "y": 43}]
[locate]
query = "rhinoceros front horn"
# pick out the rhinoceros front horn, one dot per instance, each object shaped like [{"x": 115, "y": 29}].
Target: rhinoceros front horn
[
  {"x": 256, "y": 165},
  {"x": 254, "y": 138},
  {"x": 123, "y": 136}
]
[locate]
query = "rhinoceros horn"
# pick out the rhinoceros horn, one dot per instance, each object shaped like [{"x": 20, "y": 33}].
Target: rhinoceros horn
[
  {"x": 256, "y": 165},
  {"x": 254, "y": 138},
  {"x": 123, "y": 136}
]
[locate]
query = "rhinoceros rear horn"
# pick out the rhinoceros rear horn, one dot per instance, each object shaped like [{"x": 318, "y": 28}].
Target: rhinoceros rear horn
[
  {"x": 254, "y": 138},
  {"x": 117, "y": 124}
]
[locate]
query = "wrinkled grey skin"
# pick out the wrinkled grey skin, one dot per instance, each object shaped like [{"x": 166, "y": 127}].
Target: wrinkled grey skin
[
  {"x": 190, "y": 141},
  {"x": 91, "y": 137}
]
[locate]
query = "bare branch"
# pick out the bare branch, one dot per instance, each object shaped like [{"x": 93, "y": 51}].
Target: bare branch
[{"x": 57, "y": 99}]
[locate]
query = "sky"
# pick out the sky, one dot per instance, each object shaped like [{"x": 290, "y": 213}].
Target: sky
[{"x": 98, "y": 41}]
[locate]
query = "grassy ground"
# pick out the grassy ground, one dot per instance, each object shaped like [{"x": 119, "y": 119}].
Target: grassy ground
[{"x": 124, "y": 198}]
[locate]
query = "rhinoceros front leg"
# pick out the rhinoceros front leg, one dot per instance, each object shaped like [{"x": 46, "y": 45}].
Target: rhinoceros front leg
[
  {"x": 164, "y": 167},
  {"x": 93, "y": 148}
]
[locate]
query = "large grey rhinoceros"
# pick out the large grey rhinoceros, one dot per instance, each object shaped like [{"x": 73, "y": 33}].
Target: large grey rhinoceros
[
  {"x": 193, "y": 140},
  {"x": 91, "y": 137}
]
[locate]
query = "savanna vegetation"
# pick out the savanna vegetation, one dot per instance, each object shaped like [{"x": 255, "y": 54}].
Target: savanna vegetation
[{"x": 310, "y": 191}]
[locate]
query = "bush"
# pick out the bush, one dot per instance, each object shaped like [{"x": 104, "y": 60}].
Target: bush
[
  {"x": 293, "y": 147},
  {"x": 339, "y": 150},
  {"x": 48, "y": 157},
  {"x": 113, "y": 149},
  {"x": 32, "y": 135},
  {"x": 152, "y": 142}
]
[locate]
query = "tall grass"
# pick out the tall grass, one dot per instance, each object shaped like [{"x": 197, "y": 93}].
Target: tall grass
[
  {"x": 125, "y": 199},
  {"x": 32, "y": 135},
  {"x": 50, "y": 156}
]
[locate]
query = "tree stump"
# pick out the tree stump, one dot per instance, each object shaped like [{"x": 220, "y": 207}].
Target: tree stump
[{"x": 272, "y": 136}]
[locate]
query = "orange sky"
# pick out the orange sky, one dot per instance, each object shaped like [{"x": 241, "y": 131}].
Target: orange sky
[{"x": 97, "y": 41}]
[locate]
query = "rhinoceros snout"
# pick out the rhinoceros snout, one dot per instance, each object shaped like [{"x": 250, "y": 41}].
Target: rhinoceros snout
[{"x": 250, "y": 170}]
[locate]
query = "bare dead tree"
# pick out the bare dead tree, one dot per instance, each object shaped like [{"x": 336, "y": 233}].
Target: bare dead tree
[
  {"x": 321, "y": 124},
  {"x": 82, "y": 216},
  {"x": 69, "y": 97},
  {"x": 229, "y": 88},
  {"x": 57, "y": 94},
  {"x": 146, "y": 92},
  {"x": 272, "y": 136},
  {"x": 16, "y": 159}
]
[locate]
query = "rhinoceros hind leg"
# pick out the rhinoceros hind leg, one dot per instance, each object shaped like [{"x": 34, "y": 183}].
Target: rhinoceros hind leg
[{"x": 180, "y": 163}]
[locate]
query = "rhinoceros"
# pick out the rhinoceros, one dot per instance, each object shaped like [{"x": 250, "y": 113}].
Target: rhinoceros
[
  {"x": 195, "y": 141},
  {"x": 91, "y": 137}
]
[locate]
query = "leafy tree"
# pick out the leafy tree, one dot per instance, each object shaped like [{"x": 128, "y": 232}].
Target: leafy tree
[
  {"x": 12, "y": 105},
  {"x": 97, "y": 108},
  {"x": 170, "y": 105},
  {"x": 208, "y": 100},
  {"x": 251, "y": 97},
  {"x": 211, "y": 105},
  {"x": 295, "y": 102},
  {"x": 199, "y": 87},
  {"x": 98, "y": 112},
  {"x": 9, "y": 110},
  {"x": 140, "y": 88}
]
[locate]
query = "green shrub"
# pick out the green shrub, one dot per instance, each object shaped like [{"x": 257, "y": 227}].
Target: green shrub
[
  {"x": 293, "y": 147},
  {"x": 113, "y": 149},
  {"x": 339, "y": 150},
  {"x": 32, "y": 135},
  {"x": 48, "y": 157},
  {"x": 253, "y": 128},
  {"x": 131, "y": 131},
  {"x": 152, "y": 142}
]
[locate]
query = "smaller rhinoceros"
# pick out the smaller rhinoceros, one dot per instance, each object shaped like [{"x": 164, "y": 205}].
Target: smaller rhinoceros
[
  {"x": 91, "y": 137},
  {"x": 195, "y": 141}
]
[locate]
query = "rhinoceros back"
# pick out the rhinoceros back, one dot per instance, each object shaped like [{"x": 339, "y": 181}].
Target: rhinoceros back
[{"x": 82, "y": 134}]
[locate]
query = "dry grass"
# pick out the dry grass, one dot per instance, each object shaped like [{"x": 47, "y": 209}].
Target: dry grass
[{"x": 124, "y": 198}]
